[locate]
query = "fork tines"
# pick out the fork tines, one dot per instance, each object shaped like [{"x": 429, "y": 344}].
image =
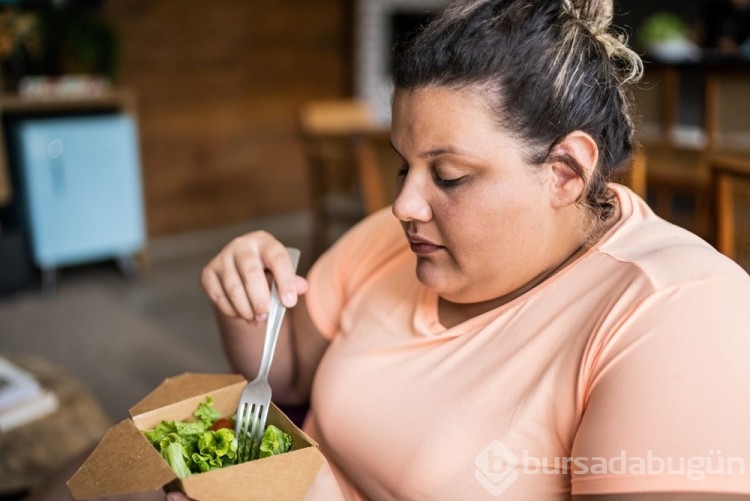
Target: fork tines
[{"x": 250, "y": 419}]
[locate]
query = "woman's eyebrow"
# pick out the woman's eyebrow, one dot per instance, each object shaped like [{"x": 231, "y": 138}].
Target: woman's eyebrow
[
  {"x": 436, "y": 152},
  {"x": 447, "y": 150}
]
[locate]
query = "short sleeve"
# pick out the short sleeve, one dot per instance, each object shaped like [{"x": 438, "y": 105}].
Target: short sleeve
[
  {"x": 347, "y": 264},
  {"x": 668, "y": 404}
]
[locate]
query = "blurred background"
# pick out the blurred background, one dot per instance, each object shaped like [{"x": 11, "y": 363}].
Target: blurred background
[{"x": 138, "y": 137}]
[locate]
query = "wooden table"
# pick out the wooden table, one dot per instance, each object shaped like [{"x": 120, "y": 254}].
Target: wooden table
[{"x": 35, "y": 450}]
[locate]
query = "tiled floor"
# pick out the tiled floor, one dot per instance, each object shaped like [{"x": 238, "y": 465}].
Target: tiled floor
[{"x": 122, "y": 338}]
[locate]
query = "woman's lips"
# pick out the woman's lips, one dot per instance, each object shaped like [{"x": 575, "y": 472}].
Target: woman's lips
[{"x": 421, "y": 246}]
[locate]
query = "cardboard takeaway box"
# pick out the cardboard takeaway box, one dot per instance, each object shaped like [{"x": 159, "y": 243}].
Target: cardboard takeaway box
[{"x": 124, "y": 461}]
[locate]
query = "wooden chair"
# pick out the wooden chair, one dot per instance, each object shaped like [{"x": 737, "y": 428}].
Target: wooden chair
[
  {"x": 343, "y": 146},
  {"x": 731, "y": 186},
  {"x": 679, "y": 172}
]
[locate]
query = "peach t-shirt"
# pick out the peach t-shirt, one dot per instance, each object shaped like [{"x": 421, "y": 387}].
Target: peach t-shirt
[{"x": 627, "y": 371}]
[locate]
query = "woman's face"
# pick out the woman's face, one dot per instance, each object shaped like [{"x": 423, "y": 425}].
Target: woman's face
[{"x": 480, "y": 219}]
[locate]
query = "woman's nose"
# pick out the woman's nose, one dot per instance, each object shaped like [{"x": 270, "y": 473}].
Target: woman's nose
[{"x": 411, "y": 202}]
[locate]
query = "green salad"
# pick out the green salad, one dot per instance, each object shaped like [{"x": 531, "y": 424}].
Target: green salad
[{"x": 208, "y": 442}]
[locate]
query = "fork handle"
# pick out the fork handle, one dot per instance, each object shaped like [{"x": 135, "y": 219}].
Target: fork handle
[{"x": 275, "y": 316}]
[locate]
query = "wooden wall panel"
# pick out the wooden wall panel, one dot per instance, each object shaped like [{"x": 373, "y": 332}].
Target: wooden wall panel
[{"x": 218, "y": 85}]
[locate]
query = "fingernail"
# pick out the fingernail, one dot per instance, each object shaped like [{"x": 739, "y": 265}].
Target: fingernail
[
  {"x": 262, "y": 317},
  {"x": 290, "y": 299}
]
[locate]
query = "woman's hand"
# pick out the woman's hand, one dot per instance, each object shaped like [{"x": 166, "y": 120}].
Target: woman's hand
[{"x": 237, "y": 279}]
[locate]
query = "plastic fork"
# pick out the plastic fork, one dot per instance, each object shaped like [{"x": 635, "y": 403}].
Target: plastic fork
[{"x": 252, "y": 410}]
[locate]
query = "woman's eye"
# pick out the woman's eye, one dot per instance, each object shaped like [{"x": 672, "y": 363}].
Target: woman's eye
[
  {"x": 448, "y": 183},
  {"x": 402, "y": 171}
]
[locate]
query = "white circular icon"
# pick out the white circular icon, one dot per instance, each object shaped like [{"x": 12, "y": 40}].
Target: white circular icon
[{"x": 55, "y": 148}]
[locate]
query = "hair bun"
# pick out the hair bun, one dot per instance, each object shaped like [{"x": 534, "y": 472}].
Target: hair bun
[{"x": 597, "y": 16}]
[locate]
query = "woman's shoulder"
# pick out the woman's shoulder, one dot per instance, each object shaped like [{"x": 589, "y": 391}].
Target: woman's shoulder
[
  {"x": 667, "y": 254},
  {"x": 374, "y": 235},
  {"x": 353, "y": 260},
  {"x": 367, "y": 246}
]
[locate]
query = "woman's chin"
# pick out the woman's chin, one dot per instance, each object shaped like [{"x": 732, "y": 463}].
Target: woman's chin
[{"x": 433, "y": 277}]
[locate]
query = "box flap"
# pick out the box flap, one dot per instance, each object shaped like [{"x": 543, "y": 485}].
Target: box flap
[
  {"x": 280, "y": 420},
  {"x": 123, "y": 461},
  {"x": 286, "y": 476},
  {"x": 177, "y": 388}
]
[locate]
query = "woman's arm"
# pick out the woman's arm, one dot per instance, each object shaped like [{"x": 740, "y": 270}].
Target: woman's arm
[
  {"x": 237, "y": 282},
  {"x": 668, "y": 395}
]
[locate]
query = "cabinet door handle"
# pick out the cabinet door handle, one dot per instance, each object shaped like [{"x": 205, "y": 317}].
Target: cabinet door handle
[
  {"x": 57, "y": 171},
  {"x": 55, "y": 149}
]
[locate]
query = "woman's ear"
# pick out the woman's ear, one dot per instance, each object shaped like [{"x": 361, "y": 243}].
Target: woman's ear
[{"x": 568, "y": 184}]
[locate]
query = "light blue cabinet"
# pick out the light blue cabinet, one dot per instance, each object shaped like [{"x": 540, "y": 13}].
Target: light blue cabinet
[{"x": 81, "y": 186}]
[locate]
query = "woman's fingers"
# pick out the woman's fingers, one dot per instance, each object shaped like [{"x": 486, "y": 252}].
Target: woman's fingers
[
  {"x": 251, "y": 272},
  {"x": 301, "y": 285},
  {"x": 213, "y": 288},
  {"x": 280, "y": 265},
  {"x": 237, "y": 279},
  {"x": 225, "y": 286}
]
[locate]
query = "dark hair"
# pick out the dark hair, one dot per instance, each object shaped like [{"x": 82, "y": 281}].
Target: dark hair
[{"x": 551, "y": 67}]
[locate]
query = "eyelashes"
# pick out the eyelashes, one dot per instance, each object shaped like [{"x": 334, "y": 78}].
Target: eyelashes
[
  {"x": 449, "y": 183},
  {"x": 439, "y": 181}
]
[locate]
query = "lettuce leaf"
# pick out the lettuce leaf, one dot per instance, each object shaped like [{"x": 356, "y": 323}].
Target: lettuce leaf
[
  {"x": 216, "y": 449},
  {"x": 174, "y": 452},
  {"x": 274, "y": 442},
  {"x": 206, "y": 412},
  {"x": 162, "y": 430}
]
